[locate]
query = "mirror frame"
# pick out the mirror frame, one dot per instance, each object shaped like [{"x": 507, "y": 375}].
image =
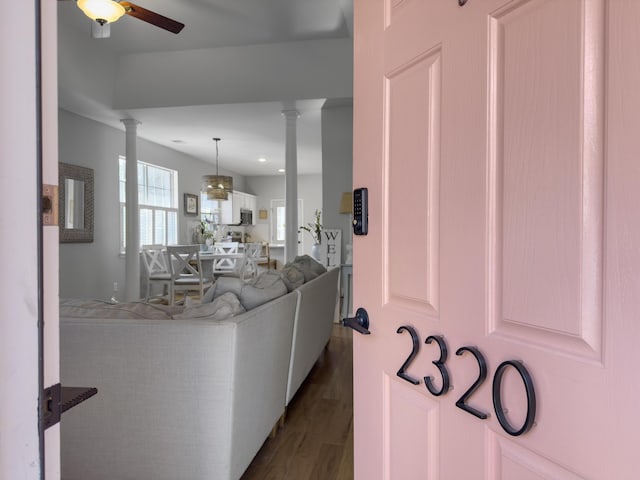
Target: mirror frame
[{"x": 83, "y": 174}]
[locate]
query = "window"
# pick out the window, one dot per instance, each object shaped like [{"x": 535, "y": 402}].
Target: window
[
  {"x": 158, "y": 204},
  {"x": 279, "y": 223},
  {"x": 279, "y": 227},
  {"x": 209, "y": 209}
]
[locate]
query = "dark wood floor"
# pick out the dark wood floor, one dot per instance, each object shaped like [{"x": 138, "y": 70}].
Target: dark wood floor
[{"x": 316, "y": 441}]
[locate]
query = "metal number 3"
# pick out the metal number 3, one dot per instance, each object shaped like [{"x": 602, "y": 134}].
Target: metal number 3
[{"x": 444, "y": 373}]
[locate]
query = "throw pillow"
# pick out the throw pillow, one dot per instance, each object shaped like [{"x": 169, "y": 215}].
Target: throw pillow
[
  {"x": 265, "y": 287},
  {"x": 309, "y": 266},
  {"x": 225, "y": 306},
  {"x": 292, "y": 276}
]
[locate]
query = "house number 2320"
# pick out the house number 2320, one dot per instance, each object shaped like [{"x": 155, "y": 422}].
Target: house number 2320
[{"x": 440, "y": 364}]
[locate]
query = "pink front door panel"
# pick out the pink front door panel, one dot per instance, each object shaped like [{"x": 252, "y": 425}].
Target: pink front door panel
[{"x": 499, "y": 144}]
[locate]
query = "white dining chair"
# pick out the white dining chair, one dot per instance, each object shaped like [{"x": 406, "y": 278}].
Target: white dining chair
[
  {"x": 252, "y": 254},
  {"x": 154, "y": 258},
  {"x": 186, "y": 271},
  {"x": 229, "y": 262}
]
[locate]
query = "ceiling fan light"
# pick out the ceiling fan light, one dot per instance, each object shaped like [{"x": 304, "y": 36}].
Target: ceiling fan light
[{"x": 101, "y": 10}]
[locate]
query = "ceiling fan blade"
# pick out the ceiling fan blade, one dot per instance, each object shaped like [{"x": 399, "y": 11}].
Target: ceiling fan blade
[{"x": 152, "y": 17}]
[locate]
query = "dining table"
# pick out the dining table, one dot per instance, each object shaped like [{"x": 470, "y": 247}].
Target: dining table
[{"x": 207, "y": 260}]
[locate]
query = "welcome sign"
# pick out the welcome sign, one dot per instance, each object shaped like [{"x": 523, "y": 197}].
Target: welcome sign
[{"x": 331, "y": 248}]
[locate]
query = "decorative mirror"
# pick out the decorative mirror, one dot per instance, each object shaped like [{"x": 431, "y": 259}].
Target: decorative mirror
[{"x": 75, "y": 184}]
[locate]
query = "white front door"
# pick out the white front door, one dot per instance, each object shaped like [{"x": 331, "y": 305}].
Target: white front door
[{"x": 501, "y": 272}]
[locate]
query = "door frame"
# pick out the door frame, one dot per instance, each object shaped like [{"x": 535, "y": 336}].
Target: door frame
[
  {"x": 39, "y": 234},
  {"x": 22, "y": 443}
]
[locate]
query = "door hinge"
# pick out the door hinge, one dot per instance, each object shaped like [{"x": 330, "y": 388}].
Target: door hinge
[{"x": 50, "y": 402}]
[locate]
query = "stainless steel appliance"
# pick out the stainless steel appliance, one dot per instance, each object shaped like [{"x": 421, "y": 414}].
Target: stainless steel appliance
[{"x": 246, "y": 217}]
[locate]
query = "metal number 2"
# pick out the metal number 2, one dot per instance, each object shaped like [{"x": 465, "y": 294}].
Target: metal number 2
[
  {"x": 482, "y": 376},
  {"x": 414, "y": 351},
  {"x": 444, "y": 373}
]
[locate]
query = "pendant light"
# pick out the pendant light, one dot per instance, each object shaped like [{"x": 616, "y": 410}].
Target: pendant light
[{"x": 217, "y": 186}]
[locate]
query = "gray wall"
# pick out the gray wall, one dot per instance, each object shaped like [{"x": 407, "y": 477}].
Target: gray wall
[
  {"x": 337, "y": 162},
  {"x": 267, "y": 188},
  {"x": 88, "y": 270}
]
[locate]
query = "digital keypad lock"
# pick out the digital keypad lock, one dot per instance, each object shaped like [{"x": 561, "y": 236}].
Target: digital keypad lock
[{"x": 360, "y": 211}]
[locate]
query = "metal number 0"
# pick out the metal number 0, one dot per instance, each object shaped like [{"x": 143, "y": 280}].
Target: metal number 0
[{"x": 531, "y": 398}]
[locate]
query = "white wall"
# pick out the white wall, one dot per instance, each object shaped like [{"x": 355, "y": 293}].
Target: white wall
[
  {"x": 320, "y": 68},
  {"x": 252, "y": 73},
  {"x": 87, "y": 71},
  {"x": 268, "y": 188},
  {"x": 337, "y": 164},
  {"x": 88, "y": 270}
]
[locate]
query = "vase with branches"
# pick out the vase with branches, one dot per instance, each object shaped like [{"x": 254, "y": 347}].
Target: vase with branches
[
  {"x": 315, "y": 228},
  {"x": 202, "y": 232}
]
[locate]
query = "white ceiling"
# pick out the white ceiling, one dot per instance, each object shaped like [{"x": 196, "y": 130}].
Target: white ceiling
[{"x": 248, "y": 130}]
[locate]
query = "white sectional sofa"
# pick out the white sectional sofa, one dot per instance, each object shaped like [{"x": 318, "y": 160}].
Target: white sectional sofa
[
  {"x": 311, "y": 328},
  {"x": 190, "y": 399}
]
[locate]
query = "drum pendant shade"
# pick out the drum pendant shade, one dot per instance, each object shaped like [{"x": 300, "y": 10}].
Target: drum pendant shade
[{"x": 217, "y": 186}]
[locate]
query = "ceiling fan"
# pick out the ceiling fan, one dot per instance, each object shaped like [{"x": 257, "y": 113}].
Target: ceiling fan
[{"x": 108, "y": 11}]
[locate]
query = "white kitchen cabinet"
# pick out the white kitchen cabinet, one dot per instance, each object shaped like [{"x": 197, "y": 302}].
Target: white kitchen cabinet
[
  {"x": 230, "y": 209},
  {"x": 226, "y": 211}
]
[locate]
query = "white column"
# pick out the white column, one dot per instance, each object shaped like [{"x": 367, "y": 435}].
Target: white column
[
  {"x": 291, "y": 185},
  {"x": 132, "y": 257}
]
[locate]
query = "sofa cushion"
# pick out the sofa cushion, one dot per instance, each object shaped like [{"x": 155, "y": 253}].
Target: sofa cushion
[
  {"x": 292, "y": 276},
  {"x": 225, "y": 306},
  {"x": 77, "y": 308},
  {"x": 265, "y": 287}
]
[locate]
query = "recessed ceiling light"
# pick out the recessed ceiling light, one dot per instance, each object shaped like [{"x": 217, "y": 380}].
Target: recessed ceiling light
[
  {"x": 281, "y": 170},
  {"x": 262, "y": 159}
]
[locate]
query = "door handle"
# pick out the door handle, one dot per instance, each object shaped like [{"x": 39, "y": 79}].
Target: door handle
[{"x": 360, "y": 323}]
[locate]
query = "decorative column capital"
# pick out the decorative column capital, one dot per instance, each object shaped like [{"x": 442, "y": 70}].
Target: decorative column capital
[
  {"x": 291, "y": 114},
  {"x": 130, "y": 123}
]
